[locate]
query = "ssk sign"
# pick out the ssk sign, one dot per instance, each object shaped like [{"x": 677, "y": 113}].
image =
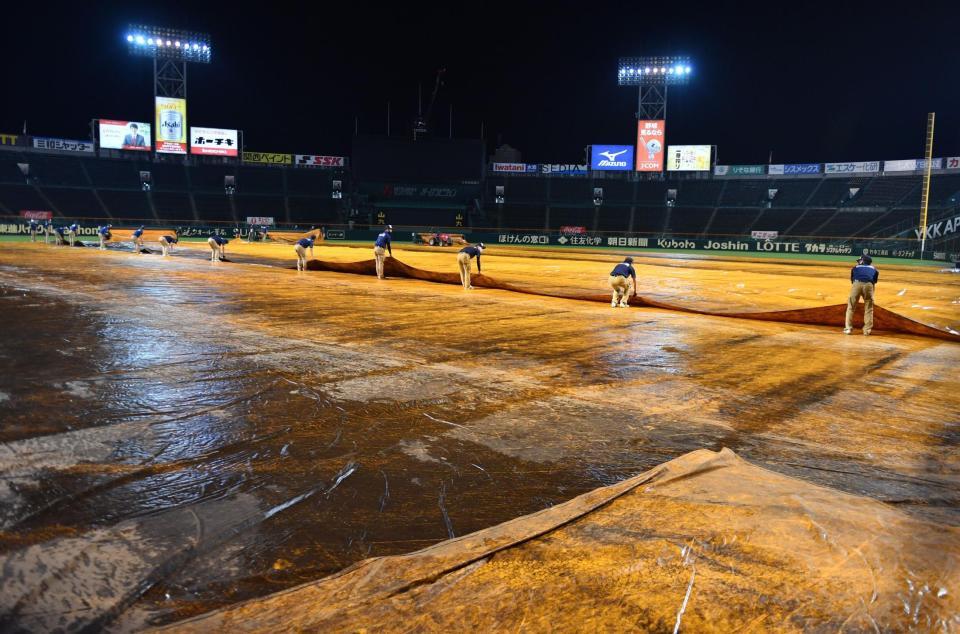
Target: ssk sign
[{"x": 313, "y": 160}]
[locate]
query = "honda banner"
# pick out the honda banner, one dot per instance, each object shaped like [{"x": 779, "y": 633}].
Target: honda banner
[
  {"x": 862, "y": 167},
  {"x": 688, "y": 158},
  {"x": 794, "y": 169},
  {"x": 651, "y": 136},
  {"x": 125, "y": 135},
  {"x": 267, "y": 158},
  {"x": 62, "y": 145},
  {"x": 911, "y": 165},
  {"x": 617, "y": 158},
  {"x": 311, "y": 160},
  {"x": 213, "y": 141},
  {"x": 171, "y": 125}
]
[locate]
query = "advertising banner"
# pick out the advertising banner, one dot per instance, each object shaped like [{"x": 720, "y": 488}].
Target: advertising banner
[
  {"x": 36, "y": 215},
  {"x": 8, "y": 139},
  {"x": 940, "y": 229},
  {"x": 62, "y": 145},
  {"x": 862, "y": 167},
  {"x": 125, "y": 135},
  {"x": 509, "y": 167},
  {"x": 171, "y": 125},
  {"x": 794, "y": 169},
  {"x": 572, "y": 230},
  {"x": 951, "y": 162},
  {"x": 312, "y": 160},
  {"x": 765, "y": 235},
  {"x": 721, "y": 170},
  {"x": 260, "y": 220},
  {"x": 688, "y": 158},
  {"x": 617, "y": 158},
  {"x": 651, "y": 137},
  {"x": 911, "y": 165},
  {"x": 748, "y": 170},
  {"x": 563, "y": 168},
  {"x": 268, "y": 158},
  {"x": 213, "y": 141}
]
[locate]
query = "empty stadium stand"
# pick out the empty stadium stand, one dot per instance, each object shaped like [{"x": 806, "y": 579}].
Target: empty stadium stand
[{"x": 88, "y": 186}]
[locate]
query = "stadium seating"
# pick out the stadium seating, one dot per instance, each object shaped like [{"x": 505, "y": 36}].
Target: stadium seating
[
  {"x": 884, "y": 205},
  {"x": 733, "y": 221}
]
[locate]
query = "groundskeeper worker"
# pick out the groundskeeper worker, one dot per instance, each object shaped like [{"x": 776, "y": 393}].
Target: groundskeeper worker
[
  {"x": 103, "y": 233},
  {"x": 863, "y": 278},
  {"x": 217, "y": 247},
  {"x": 381, "y": 247},
  {"x": 301, "y": 248},
  {"x": 463, "y": 261},
  {"x": 620, "y": 283},
  {"x": 167, "y": 241}
]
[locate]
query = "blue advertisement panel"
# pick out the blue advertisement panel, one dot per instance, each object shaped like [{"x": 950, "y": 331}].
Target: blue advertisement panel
[{"x": 611, "y": 158}]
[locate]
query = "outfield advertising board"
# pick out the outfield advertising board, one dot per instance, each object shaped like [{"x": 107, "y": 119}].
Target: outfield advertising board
[
  {"x": 651, "y": 141},
  {"x": 171, "y": 125},
  {"x": 688, "y": 158},
  {"x": 125, "y": 135}
]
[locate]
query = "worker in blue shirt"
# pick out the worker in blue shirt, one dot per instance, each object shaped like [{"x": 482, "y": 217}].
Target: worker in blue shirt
[
  {"x": 620, "y": 283},
  {"x": 103, "y": 233},
  {"x": 167, "y": 241},
  {"x": 301, "y": 248},
  {"x": 381, "y": 246},
  {"x": 463, "y": 261},
  {"x": 138, "y": 240},
  {"x": 60, "y": 234},
  {"x": 217, "y": 247},
  {"x": 863, "y": 279},
  {"x": 72, "y": 233},
  {"x": 47, "y": 231},
  {"x": 33, "y": 228}
]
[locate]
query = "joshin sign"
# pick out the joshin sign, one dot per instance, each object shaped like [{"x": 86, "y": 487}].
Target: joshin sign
[
  {"x": 171, "y": 125},
  {"x": 650, "y": 144}
]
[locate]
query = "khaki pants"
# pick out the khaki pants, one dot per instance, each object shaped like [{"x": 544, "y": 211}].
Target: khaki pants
[
  {"x": 858, "y": 289},
  {"x": 301, "y": 257},
  {"x": 165, "y": 247},
  {"x": 138, "y": 245},
  {"x": 71, "y": 236},
  {"x": 46, "y": 237},
  {"x": 33, "y": 236},
  {"x": 621, "y": 290},
  {"x": 463, "y": 261},
  {"x": 103, "y": 243},
  {"x": 215, "y": 250},
  {"x": 60, "y": 240},
  {"x": 379, "y": 253}
]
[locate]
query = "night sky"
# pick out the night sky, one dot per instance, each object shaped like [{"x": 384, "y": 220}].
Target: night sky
[{"x": 833, "y": 81}]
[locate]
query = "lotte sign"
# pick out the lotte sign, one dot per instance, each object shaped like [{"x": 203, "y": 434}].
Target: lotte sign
[{"x": 651, "y": 140}]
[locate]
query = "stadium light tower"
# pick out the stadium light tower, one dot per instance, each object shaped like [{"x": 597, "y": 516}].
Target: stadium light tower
[
  {"x": 171, "y": 50},
  {"x": 652, "y": 75}
]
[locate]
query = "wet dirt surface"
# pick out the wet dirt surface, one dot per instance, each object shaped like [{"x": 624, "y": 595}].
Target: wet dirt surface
[{"x": 179, "y": 434}]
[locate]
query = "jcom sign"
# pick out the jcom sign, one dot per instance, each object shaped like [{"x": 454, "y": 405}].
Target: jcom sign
[
  {"x": 611, "y": 157},
  {"x": 650, "y": 144}
]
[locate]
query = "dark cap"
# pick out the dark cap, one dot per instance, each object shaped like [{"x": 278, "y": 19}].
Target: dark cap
[
  {"x": 628, "y": 260},
  {"x": 865, "y": 259}
]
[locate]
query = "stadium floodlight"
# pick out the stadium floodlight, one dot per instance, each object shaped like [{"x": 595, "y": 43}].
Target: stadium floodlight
[
  {"x": 163, "y": 43},
  {"x": 654, "y": 71}
]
